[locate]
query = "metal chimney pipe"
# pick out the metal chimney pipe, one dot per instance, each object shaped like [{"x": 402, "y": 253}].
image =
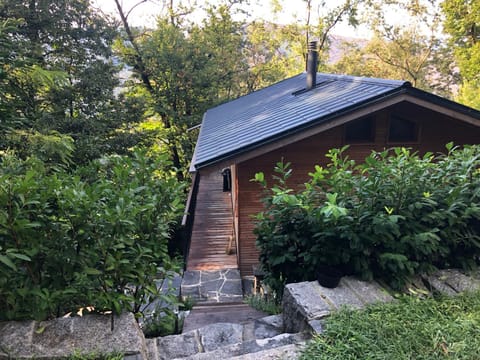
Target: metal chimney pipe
[{"x": 312, "y": 60}]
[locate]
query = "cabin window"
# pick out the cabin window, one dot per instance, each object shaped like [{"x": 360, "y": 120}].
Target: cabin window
[
  {"x": 402, "y": 130},
  {"x": 360, "y": 131},
  {"x": 227, "y": 180}
]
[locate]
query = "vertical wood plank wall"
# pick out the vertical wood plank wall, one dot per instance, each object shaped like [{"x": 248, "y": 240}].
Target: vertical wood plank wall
[
  {"x": 435, "y": 131},
  {"x": 213, "y": 224}
]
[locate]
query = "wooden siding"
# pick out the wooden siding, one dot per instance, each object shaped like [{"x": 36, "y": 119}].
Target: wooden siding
[
  {"x": 212, "y": 226},
  {"x": 435, "y": 131}
]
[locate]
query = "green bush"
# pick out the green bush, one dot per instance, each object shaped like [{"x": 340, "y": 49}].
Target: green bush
[
  {"x": 97, "y": 237},
  {"x": 395, "y": 215}
]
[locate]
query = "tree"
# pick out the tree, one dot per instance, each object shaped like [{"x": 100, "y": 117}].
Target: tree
[
  {"x": 462, "y": 23},
  {"x": 412, "y": 51},
  {"x": 275, "y": 52},
  {"x": 60, "y": 77},
  {"x": 185, "y": 69}
]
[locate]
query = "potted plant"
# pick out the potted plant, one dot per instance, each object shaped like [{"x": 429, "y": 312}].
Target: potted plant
[{"x": 329, "y": 276}]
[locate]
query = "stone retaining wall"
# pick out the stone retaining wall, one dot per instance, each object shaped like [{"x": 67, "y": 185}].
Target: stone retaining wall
[{"x": 62, "y": 337}]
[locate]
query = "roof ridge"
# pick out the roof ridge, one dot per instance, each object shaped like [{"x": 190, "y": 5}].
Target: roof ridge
[{"x": 364, "y": 79}]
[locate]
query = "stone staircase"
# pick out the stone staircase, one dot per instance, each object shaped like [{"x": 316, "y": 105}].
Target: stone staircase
[
  {"x": 231, "y": 332},
  {"x": 221, "y": 326},
  {"x": 259, "y": 339},
  {"x": 305, "y": 306}
]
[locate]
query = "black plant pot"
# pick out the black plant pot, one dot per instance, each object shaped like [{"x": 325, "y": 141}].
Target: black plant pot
[{"x": 328, "y": 276}]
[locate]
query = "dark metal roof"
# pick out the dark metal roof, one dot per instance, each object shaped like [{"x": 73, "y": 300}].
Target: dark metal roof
[{"x": 282, "y": 108}]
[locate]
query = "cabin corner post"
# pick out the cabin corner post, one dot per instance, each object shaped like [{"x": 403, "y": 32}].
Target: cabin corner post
[{"x": 234, "y": 194}]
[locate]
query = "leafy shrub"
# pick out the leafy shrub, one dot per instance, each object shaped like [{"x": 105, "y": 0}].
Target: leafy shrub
[
  {"x": 395, "y": 215},
  {"x": 97, "y": 237}
]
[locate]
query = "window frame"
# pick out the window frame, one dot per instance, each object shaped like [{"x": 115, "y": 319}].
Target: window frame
[
  {"x": 416, "y": 130},
  {"x": 371, "y": 140}
]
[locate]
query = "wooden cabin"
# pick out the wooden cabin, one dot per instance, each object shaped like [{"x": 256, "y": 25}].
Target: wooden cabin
[{"x": 300, "y": 119}]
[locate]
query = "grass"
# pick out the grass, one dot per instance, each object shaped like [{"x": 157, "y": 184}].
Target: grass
[
  {"x": 94, "y": 356},
  {"x": 442, "y": 328},
  {"x": 265, "y": 304}
]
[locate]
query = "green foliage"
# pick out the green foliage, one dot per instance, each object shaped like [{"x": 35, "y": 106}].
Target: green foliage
[
  {"x": 98, "y": 238},
  {"x": 163, "y": 322},
  {"x": 462, "y": 23},
  {"x": 267, "y": 304},
  {"x": 57, "y": 81},
  {"x": 444, "y": 328},
  {"x": 395, "y": 215}
]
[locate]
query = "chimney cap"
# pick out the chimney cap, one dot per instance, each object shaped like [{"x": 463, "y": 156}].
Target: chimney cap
[{"x": 312, "y": 45}]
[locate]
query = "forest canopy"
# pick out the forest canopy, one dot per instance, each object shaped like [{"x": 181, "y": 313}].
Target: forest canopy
[{"x": 77, "y": 84}]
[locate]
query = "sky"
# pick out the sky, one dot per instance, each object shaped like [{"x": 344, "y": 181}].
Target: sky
[{"x": 293, "y": 10}]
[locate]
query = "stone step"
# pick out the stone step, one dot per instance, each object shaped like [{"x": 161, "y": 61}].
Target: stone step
[
  {"x": 218, "y": 286},
  {"x": 203, "y": 315},
  {"x": 220, "y": 338},
  {"x": 249, "y": 347},
  {"x": 304, "y": 304},
  {"x": 290, "y": 352}
]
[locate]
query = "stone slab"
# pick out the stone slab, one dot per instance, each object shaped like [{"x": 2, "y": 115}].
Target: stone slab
[
  {"x": 204, "y": 315},
  {"x": 437, "y": 285},
  {"x": 250, "y": 347},
  {"x": 190, "y": 292},
  {"x": 367, "y": 291},
  {"x": 458, "y": 281},
  {"x": 232, "y": 287},
  {"x": 268, "y": 327},
  {"x": 16, "y": 339},
  {"x": 231, "y": 274},
  {"x": 340, "y": 296},
  {"x": 60, "y": 338},
  {"x": 207, "y": 276},
  {"x": 290, "y": 352},
  {"x": 211, "y": 286},
  {"x": 316, "y": 326},
  {"x": 219, "y": 335},
  {"x": 306, "y": 301},
  {"x": 178, "y": 346},
  {"x": 191, "y": 278},
  {"x": 152, "y": 349},
  {"x": 216, "y": 286}
]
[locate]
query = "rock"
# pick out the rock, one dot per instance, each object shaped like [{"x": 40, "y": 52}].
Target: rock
[
  {"x": 219, "y": 335},
  {"x": 16, "y": 339},
  {"x": 368, "y": 291},
  {"x": 224, "y": 286},
  {"x": 302, "y": 302},
  {"x": 207, "y": 276},
  {"x": 458, "y": 281},
  {"x": 60, "y": 338},
  {"x": 152, "y": 349},
  {"x": 291, "y": 352},
  {"x": 232, "y": 287},
  {"x": 250, "y": 347},
  {"x": 437, "y": 285},
  {"x": 316, "y": 326},
  {"x": 306, "y": 301},
  {"x": 178, "y": 346},
  {"x": 191, "y": 278},
  {"x": 268, "y": 327}
]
